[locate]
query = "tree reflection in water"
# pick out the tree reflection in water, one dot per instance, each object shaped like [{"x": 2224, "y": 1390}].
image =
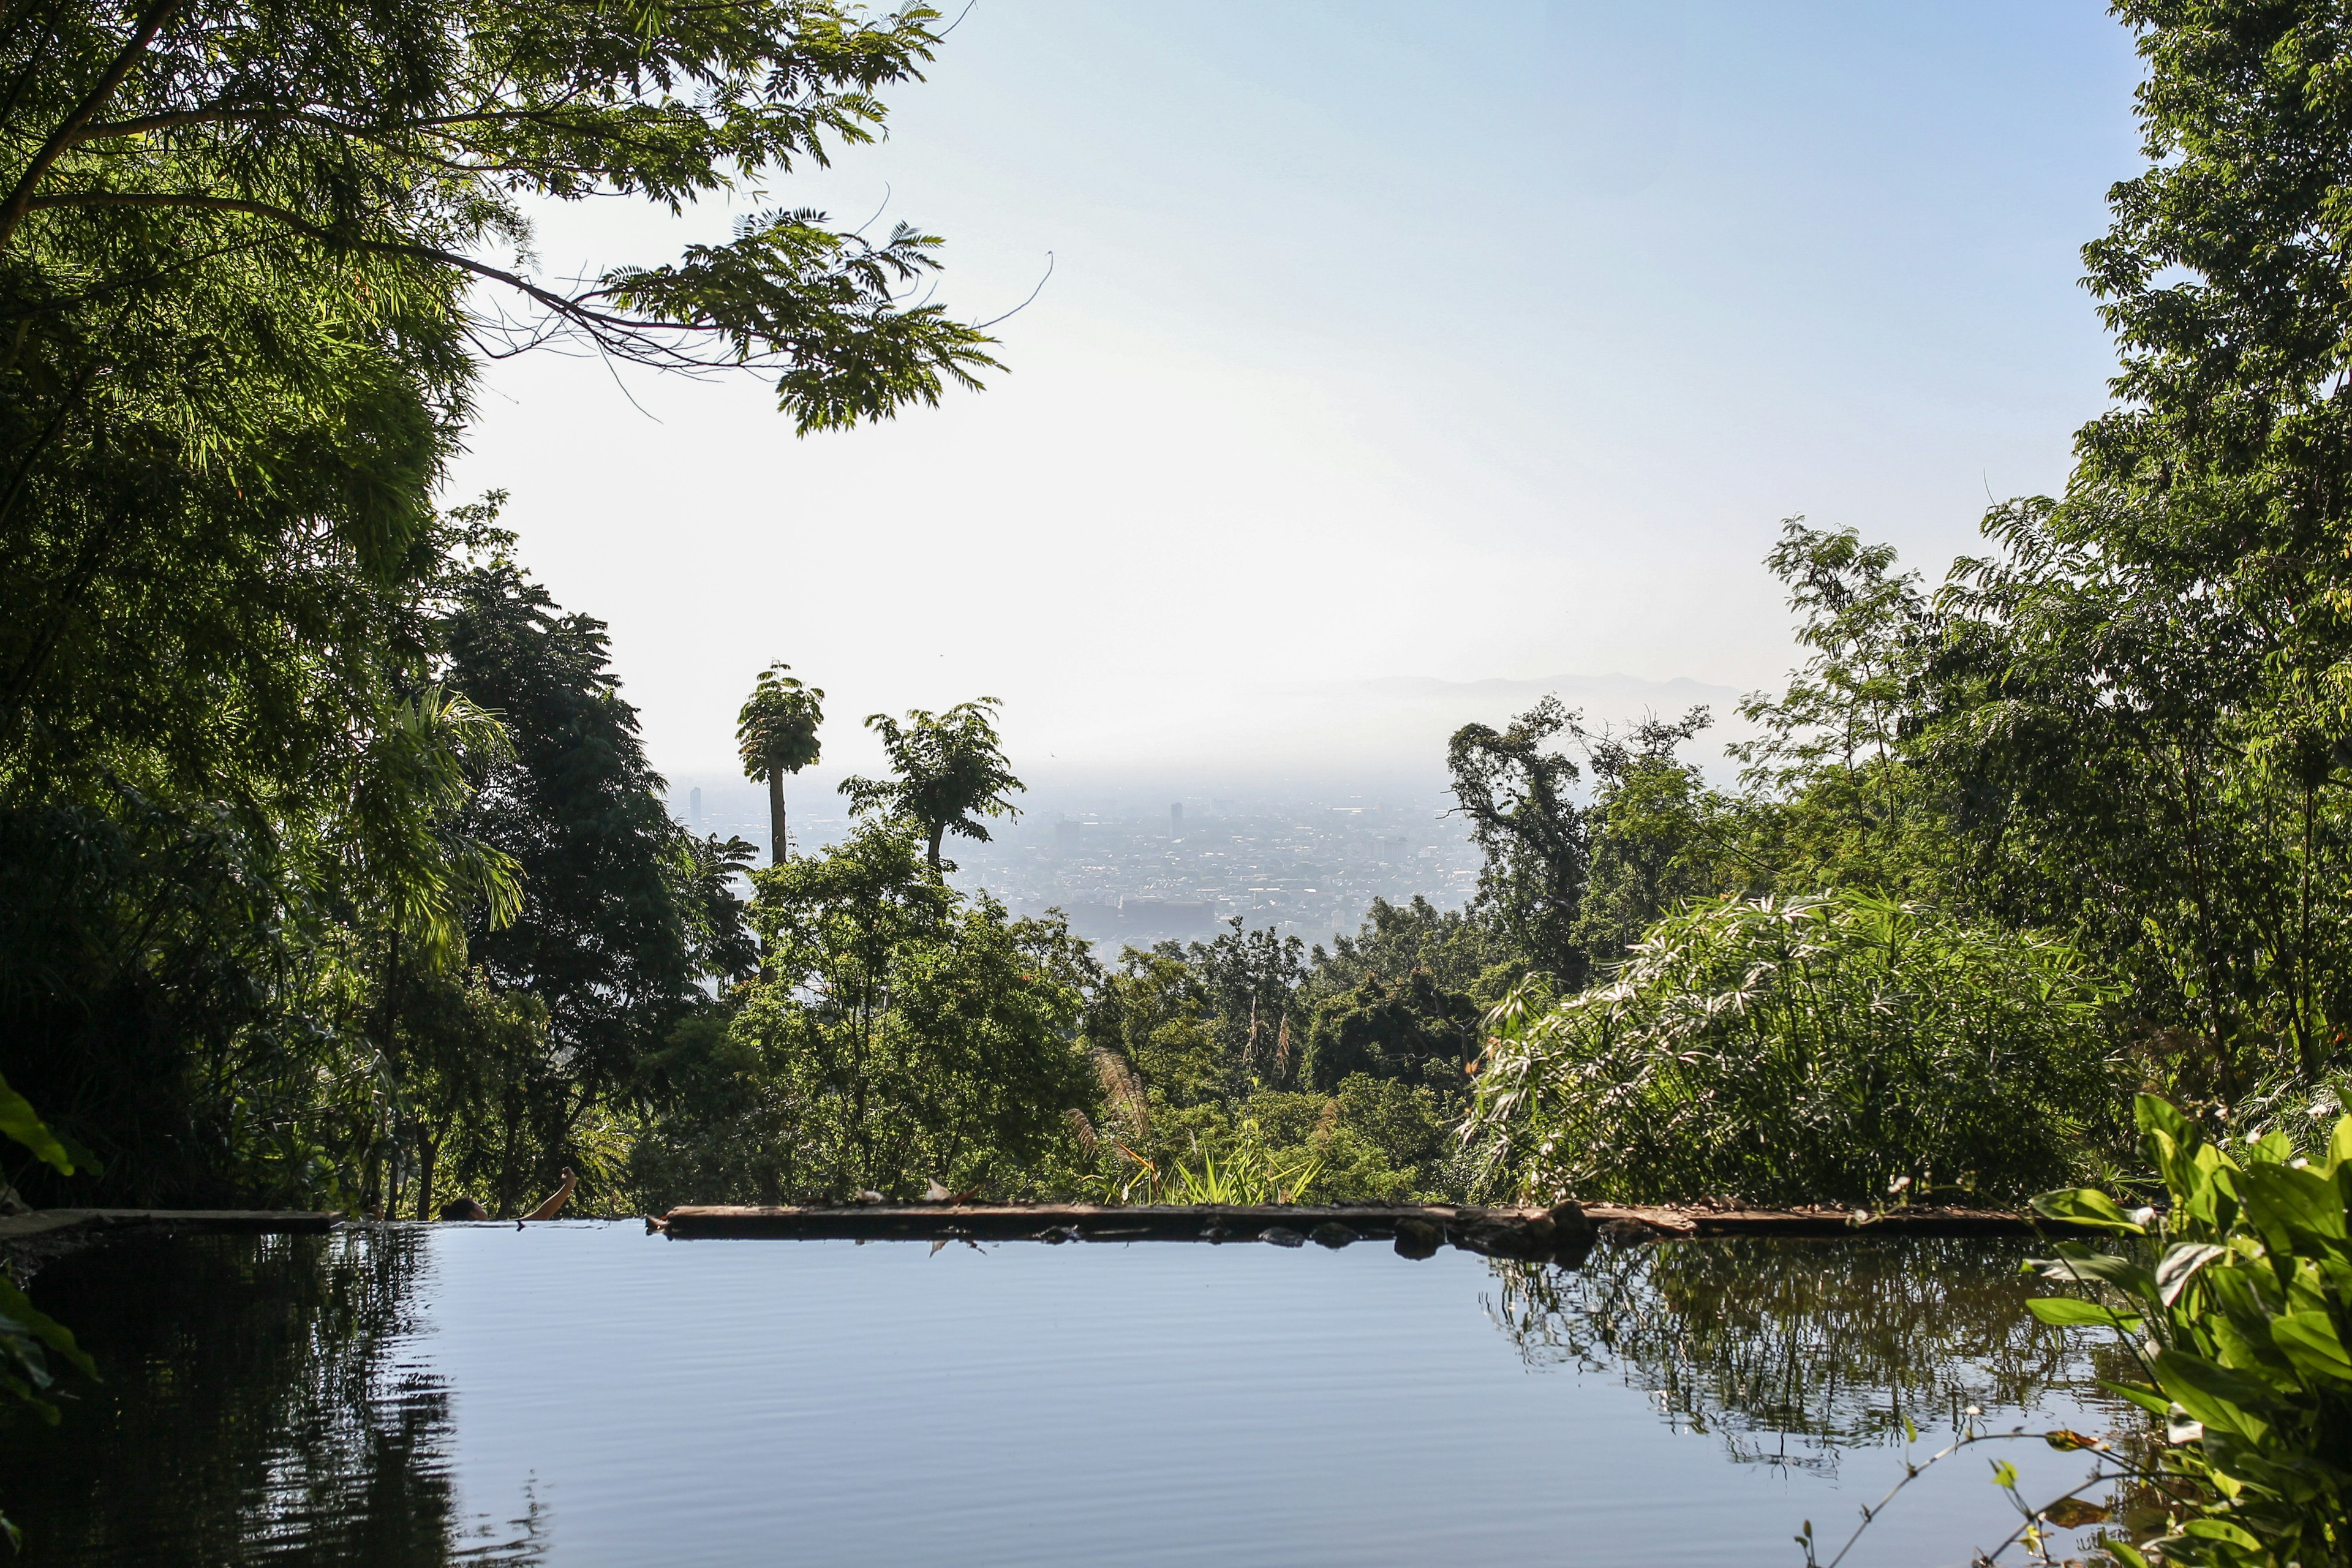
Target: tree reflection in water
[
  {"x": 1791, "y": 1351},
  {"x": 255, "y": 1407}
]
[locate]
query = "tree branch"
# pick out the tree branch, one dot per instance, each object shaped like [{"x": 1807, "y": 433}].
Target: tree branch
[
  {"x": 610, "y": 328},
  {"x": 19, "y": 200}
]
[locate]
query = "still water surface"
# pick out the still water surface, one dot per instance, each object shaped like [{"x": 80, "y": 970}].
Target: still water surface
[{"x": 585, "y": 1395}]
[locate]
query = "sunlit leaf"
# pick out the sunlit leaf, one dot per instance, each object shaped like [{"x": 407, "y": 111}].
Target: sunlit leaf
[
  {"x": 2072, "y": 1312},
  {"x": 2310, "y": 1340},
  {"x": 2083, "y": 1205},
  {"x": 2217, "y": 1395}
]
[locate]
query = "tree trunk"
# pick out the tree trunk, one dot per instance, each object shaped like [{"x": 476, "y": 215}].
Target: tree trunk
[
  {"x": 778, "y": 846},
  {"x": 429, "y": 1155},
  {"x": 939, "y": 829}
]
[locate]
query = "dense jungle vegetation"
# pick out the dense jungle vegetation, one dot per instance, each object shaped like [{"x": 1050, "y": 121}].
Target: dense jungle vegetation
[{"x": 333, "y": 871}]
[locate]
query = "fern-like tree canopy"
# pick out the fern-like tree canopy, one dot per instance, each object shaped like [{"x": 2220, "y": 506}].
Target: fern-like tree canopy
[{"x": 775, "y": 734}]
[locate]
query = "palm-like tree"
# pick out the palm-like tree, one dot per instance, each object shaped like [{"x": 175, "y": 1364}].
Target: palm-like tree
[
  {"x": 776, "y": 734},
  {"x": 952, "y": 773}
]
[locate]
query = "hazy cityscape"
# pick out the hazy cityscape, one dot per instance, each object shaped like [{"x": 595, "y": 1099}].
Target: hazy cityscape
[{"x": 1136, "y": 870}]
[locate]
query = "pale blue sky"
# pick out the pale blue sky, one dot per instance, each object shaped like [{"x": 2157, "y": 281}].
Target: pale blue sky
[{"x": 1381, "y": 340}]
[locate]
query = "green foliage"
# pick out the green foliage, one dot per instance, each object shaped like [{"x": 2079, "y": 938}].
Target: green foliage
[
  {"x": 1657, "y": 834},
  {"x": 1374, "y": 1140},
  {"x": 775, "y": 734},
  {"x": 28, "y": 1336},
  {"x": 1835, "y": 794},
  {"x": 1407, "y": 1029},
  {"x": 1567, "y": 888},
  {"x": 1193, "y": 1046},
  {"x": 1517, "y": 794},
  {"x": 1251, "y": 1173},
  {"x": 1460, "y": 950},
  {"x": 239, "y": 333},
  {"x": 903, "y": 1034},
  {"x": 2237, "y": 1314},
  {"x": 951, "y": 771},
  {"x": 390, "y": 148},
  {"x": 619, "y": 920},
  {"x": 1840, "y": 1048}
]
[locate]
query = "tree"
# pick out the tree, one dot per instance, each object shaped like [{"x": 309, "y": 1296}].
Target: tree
[
  {"x": 413, "y": 134},
  {"x": 952, "y": 773},
  {"x": 2140, "y": 710},
  {"x": 1536, "y": 840},
  {"x": 1459, "y": 948},
  {"x": 236, "y": 251},
  {"x": 238, "y": 337},
  {"x": 907, "y": 1035},
  {"x": 607, "y": 937},
  {"x": 1406, "y": 1029},
  {"x": 1657, "y": 833},
  {"x": 776, "y": 734}
]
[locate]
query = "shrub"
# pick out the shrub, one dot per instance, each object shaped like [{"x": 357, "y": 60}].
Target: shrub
[{"x": 1838, "y": 1047}]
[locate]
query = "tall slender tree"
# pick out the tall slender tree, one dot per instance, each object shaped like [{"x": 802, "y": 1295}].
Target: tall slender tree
[{"x": 776, "y": 734}]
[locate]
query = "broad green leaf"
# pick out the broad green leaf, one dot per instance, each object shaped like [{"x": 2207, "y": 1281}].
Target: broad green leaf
[
  {"x": 14, "y": 1305},
  {"x": 2180, "y": 1265},
  {"x": 2285, "y": 1204},
  {"x": 2340, "y": 1144},
  {"x": 2153, "y": 1113},
  {"x": 2072, "y": 1312},
  {"x": 2310, "y": 1340},
  {"x": 2004, "y": 1475},
  {"x": 2147, "y": 1399},
  {"x": 2083, "y": 1205},
  {"x": 20, "y": 1121},
  {"x": 2217, "y": 1395},
  {"x": 2081, "y": 1263},
  {"x": 2221, "y": 1529}
]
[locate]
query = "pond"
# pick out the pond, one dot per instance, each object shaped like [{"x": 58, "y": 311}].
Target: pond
[{"x": 584, "y": 1394}]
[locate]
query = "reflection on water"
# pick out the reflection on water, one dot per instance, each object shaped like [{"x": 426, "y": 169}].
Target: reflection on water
[
  {"x": 255, "y": 1407},
  {"x": 1831, "y": 1344},
  {"x": 417, "y": 1398}
]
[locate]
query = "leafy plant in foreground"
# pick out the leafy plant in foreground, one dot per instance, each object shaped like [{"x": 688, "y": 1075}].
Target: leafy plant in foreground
[
  {"x": 2234, "y": 1306},
  {"x": 2240, "y": 1328},
  {"x": 29, "y": 1336}
]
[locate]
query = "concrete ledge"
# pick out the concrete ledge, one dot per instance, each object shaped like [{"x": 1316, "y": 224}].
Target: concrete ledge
[{"x": 1509, "y": 1232}]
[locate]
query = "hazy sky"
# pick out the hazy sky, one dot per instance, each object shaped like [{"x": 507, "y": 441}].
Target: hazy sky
[{"x": 1474, "y": 344}]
